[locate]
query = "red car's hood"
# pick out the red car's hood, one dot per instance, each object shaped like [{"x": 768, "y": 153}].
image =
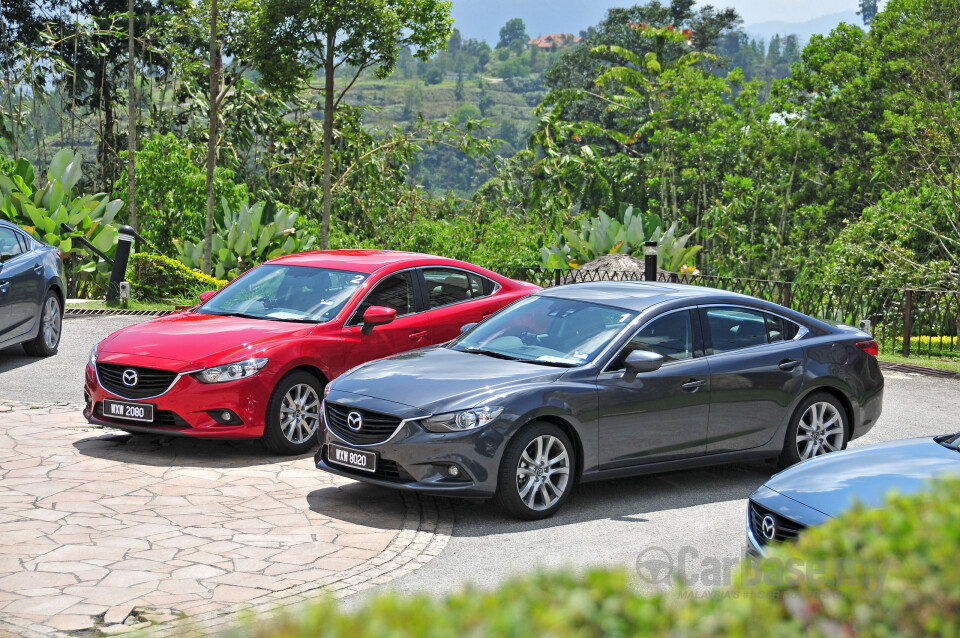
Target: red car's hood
[{"x": 192, "y": 340}]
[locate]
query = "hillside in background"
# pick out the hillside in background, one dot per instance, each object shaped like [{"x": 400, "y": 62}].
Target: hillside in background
[{"x": 803, "y": 30}]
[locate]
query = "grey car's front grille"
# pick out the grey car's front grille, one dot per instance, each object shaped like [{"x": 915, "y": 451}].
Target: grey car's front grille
[
  {"x": 148, "y": 381},
  {"x": 784, "y": 529},
  {"x": 373, "y": 426}
]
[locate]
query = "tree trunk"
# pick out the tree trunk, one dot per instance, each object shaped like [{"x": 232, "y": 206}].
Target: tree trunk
[
  {"x": 131, "y": 126},
  {"x": 328, "y": 85},
  {"x": 212, "y": 141}
]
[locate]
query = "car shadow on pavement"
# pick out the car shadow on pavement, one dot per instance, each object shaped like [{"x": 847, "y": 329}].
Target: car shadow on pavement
[
  {"x": 625, "y": 499},
  {"x": 170, "y": 451},
  {"x": 358, "y": 503},
  {"x": 15, "y": 357}
]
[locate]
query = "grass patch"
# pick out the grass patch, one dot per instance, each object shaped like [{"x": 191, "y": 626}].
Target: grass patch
[
  {"x": 100, "y": 304},
  {"x": 940, "y": 363}
]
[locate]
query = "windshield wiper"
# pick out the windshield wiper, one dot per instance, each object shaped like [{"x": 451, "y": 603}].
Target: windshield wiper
[
  {"x": 491, "y": 353},
  {"x": 555, "y": 364}
]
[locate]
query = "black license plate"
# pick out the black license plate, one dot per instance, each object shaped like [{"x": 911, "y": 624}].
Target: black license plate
[
  {"x": 142, "y": 412},
  {"x": 357, "y": 459}
]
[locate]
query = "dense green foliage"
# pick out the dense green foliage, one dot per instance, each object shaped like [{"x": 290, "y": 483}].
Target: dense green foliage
[
  {"x": 247, "y": 236},
  {"x": 837, "y": 162},
  {"x": 886, "y": 572},
  {"x": 58, "y": 214},
  {"x": 159, "y": 278},
  {"x": 625, "y": 233}
]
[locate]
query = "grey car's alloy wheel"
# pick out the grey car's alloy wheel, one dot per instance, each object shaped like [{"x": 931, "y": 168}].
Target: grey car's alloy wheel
[
  {"x": 47, "y": 341},
  {"x": 537, "y": 472},
  {"x": 293, "y": 414},
  {"x": 819, "y": 431},
  {"x": 819, "y": 426}
]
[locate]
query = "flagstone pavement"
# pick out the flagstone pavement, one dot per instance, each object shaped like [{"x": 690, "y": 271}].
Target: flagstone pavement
[{"x": 102, "y": 532}]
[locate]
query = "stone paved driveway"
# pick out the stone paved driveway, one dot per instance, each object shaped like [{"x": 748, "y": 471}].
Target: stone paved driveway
[{"x": 95, "y": 524}]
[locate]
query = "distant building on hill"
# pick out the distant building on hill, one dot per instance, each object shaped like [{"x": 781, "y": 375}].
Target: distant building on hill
[{"x": 554, "y": 40}]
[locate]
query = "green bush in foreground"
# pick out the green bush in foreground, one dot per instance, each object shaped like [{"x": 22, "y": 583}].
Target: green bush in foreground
[
  {"x": 833, "y": 591},
  {"x": 155, "y": 278}
]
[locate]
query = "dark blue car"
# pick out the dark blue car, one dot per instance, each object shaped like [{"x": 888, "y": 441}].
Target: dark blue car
[
  {"x": 812, "y": 492},
  {"x": 31, "y": 292},
  {"x": 592, "y": 381}
]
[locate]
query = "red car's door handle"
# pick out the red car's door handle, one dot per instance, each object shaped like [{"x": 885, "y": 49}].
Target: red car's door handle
[{"x": 417, "y": 335}]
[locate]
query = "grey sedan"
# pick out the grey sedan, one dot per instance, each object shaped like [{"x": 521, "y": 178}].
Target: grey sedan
[
  {"x": 31, "y": 292},
  {"x": 594, "y": 381}
]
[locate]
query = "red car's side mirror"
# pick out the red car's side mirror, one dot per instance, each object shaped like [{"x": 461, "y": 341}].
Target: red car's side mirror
[
  {"x": 377, "y": 316},
  {"x": 206, "y": 295}
]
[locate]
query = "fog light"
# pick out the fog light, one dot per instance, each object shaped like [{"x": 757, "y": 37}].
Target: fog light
[
  {"x": 225, "y": 417},
  {"x": 453, "y": 471}
]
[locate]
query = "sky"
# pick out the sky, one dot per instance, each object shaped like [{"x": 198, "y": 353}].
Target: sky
[{"x": 483, "y": 18}]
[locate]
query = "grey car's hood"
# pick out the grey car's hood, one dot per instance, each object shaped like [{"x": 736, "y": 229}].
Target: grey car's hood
[
  {"x": 832, "y": 483},
  {"x": 440, "y": 379}
]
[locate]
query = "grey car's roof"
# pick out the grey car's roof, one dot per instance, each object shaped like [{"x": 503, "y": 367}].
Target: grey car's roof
[{"x": 640, "y": 295}]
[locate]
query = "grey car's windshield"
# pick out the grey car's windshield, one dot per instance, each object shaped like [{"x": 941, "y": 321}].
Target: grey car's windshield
[
  {"x": 547, "y": 331},
  {"x": 286, "y": 293}
]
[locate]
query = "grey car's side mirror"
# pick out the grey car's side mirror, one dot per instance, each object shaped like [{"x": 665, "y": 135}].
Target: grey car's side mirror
[
  {"x": 640, "y": 361},
  {"x": 467, "y": 327}
]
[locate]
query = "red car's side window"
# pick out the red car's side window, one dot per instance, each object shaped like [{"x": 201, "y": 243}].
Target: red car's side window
[{"x": 446, "y": 286}]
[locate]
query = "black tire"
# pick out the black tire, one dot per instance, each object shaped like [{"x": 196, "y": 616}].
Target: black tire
[
  {"x": 511, "y": 483},
  {"x": 818, "y": 426},
  {"x": 280, "y": 435},
  {"x": 47, "y": 341}
]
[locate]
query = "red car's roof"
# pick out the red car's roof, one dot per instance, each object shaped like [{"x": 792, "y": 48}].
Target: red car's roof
[{"x": 362, "y": 260}]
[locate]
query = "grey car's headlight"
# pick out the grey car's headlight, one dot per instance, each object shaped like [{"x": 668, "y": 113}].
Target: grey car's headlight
[
  {"x": 231, "y": 371},
  {"x": 462, "y": 420}
]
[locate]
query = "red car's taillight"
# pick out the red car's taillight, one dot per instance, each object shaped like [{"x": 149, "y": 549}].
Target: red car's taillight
[{"x": 870, "y": 347}]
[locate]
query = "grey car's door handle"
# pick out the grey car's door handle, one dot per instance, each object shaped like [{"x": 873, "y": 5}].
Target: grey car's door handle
[
  {"x": 789, "y": 364},
  {"x": 692, "y": 385},
  {"x": 4, "y": 285},
  {"x": 38, "y": 268}
]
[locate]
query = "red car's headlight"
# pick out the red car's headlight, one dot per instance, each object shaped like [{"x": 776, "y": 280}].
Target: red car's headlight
[{"x": 231, "y": 371}]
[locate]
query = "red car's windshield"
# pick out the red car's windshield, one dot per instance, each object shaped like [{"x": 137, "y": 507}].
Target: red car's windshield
[{"x": 286, "y": 293}]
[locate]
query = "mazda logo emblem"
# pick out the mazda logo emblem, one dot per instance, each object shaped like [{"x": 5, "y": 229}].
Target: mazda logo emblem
[
  {"x": 768, "y": 528},
  {"x": 129, "y": 378},
  {"x": 354, "y": 421}
]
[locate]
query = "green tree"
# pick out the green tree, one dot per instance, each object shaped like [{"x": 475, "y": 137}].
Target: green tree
[
  {"x": 868, "y": 10},
  {"x": 513, "y": 31},
  {"x": 296, "y": 38}
]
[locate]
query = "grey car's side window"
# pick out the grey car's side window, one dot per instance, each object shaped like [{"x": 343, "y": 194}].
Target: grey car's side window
[
  {"x": 394, "y": 291},
  {"x": 9, "y": 244},
  {"x": 670, "y": 336},
  {"x": 737, "y": 328}
]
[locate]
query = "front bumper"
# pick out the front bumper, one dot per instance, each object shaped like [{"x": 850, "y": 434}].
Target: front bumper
[
  {"x": 183, "y": 410},
  {"x": 416, "y": 460}
]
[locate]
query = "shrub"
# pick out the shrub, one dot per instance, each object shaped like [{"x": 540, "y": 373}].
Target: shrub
[
  {"x": 915, "y": 537},
  {"x": 42, "y": 211},
  {"x": 155, "y": 277}
]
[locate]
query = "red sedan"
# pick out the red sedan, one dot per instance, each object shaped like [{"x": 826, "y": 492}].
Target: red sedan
[{"x": 252, "y": 360}]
